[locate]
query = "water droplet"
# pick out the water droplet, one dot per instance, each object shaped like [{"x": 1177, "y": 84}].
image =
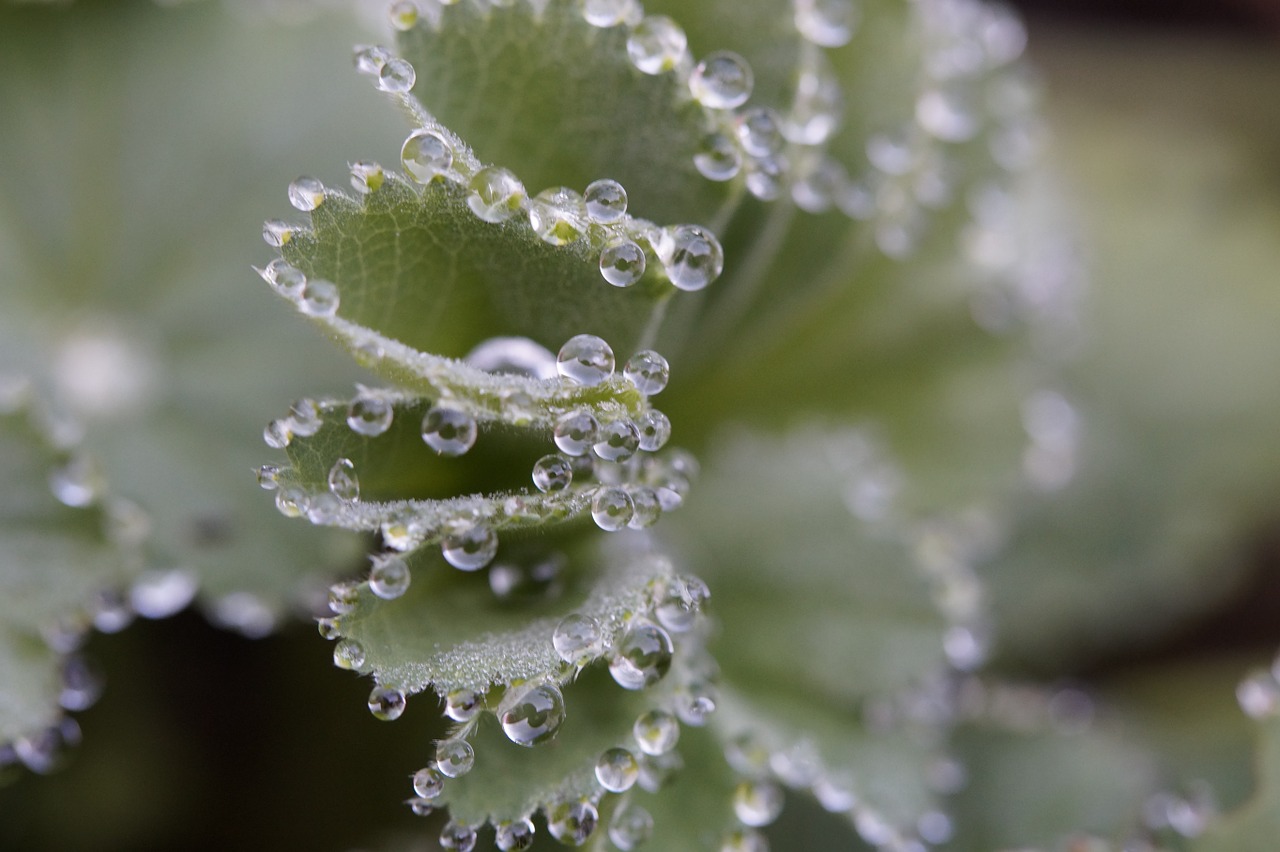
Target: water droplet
[
  {"x": 935, "y": 828},
  {"x": 572, "y": 823},
  {"x": 622, "y": 263},
  {"x": 324, "y": 509},
  {"x": 946, "y": 116},
  {"x": 389, "y": 577},
  {"x": 306, "y": 193},
  {"x": 343, "y": 597},
  {"x": 275, "y": 435},
  {"x": 835, "y": 792},
  {"x": 826, "y": 23},
  {"x": 386, "y": 703},
  {"x": 642, "y": 658},
  {"x": 396, "y": 76},
  {"x": 744, "y": 840},
  {"x": 292, "y": 502},
  {"x": 448, "y": 431},
  {"x": 760, "y": 131},
  {"x": 557, "y": 216},
  {"x": 656, "y": 732},
  {"x": 458, "y": 835},
  {"x": 369, "y": 58},
  {"x": 160, "y": 594},
  {"x": 612, "y": 509},
  {"x": 656, "y": 44},
  {"x": 276, "y": 233},
  {"x": 552, "y": 473},
  {"x": 630, "y": 827},
  {"x": 655, "y": 430},
  {"x": 718, "y": 157},
  {"x": 533, "y": 716},
  {"x": 495, "y": 194},
  {"x": 648, "y": 371},
  {"x": 110, "y": 611},
  {"x": 403, "y": 15},
  {"x": 81, "y": 684},
  {"x": 578, "y": 639},
  {"x": 585, "y": 359},
  {"x": 269, "y": 477},
  {"x": 646, "y": 508},
  {"x": 462, "y": 705},
  {"x": 366, "y": 176},
  {"x": 426, "y": 155},
  {"x": 695, "y": 259},
  {"x": 606, "y": 201},
  {"x": 514, "y": 836},
  {"x": 575, "y": 432},
  {"x": 349, "y": 654},
  {"x": 343, "y": 482},
  {"x": 757, "y": 803},
  {"x": 517, "y": 356},
  {"x": 77, "y": 482},
  {"x": 656, "y": 771},
  {"x": 319, "y": 298},
  {"x": 455, "y": 758},
  {"x": 676, "y": 610},
  {"x": 818, "y": 107},
  {"x": 696, "y": 703},
  {"x": 820, "y": 186},
  {"x": 1259, "y": 695},
  {"x": 285, "y": 279},
  {"x": 617, "y": 770},
  {"x": 328, "y": 628},
  {"x": 721, "y": 81},
  {"x": 608, "y": 13},
  {"x": 471, "y": 548},
  {"x": 369, "y": 415},
  {"x": 421, "y": 807},
  {"x": 765, "y": 177},
  {"x": 617, "y": 441}
]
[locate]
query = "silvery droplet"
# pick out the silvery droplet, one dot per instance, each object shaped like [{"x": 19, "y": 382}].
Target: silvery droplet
[
  {"x": 470, "y": 549},
  {"x": 110, "y": 611},
  {"x": 552, "y": 473},
  {"x": 1259, "y": 695},
  {"x": 495, "y": 194},
  {"x": 946, "y": 116},
  {"x": 648, "y": 371},
  {"x": 286, "y": 280},
  {"x": 343, "y": 482},
  {"x": 573, "y": 823},
  {"x": 276, "y": 232},
  {"x": 718, "y": 157},
  {"x": 607, "y": 13},
  {"x": 369, "y": 415},
  {"x": 396, "y": 76},
  {"x": 534, "y": 716},
  {"x": 386, "y": 703},
  {"x": 328, "y": 628},
  {"x": 765, "y": 176},
  {"x": 585, "y": 359},
  {"x": 275, "y": 435},
  {"x": 448, "y": 431},
  {"x": 421, "y": 807},
  {"x": 366, "y": 176},
  {"x": 78, "y": 482},
  {"x": 656, "y": 44},
  {"x": 578, "y": 639},
  {"x": 575, "y": 432},
  {"x": 514, "y": 836},
  {"x": 655, "y": 430},
  {"x": 403, "y": 15},
  {"x": 462, "y": 705},
  {"x": 557, "y": 216},
  {"x": 160, "y": 594},
  {"x": 646, "y": 510},
  {"x": 935, "y": 828},
  {"x": 458, "y": 836},
  {"x": 617, "y": 770},
  {"x": 304, "y": 417},
  {"x": 517, "y": 356},
  {"x": 630, "y": 827},
  {"x": 835, "y": 792},
  {"x": 760, "y": 131},
  {"x": 722, "y": 80},
  {"x": 757, "y": 803},
  {"x": 455, "y": 758},
  {"x": 622, "y": 263},
  {"x": 389, "y": 577},
  {"x": 642, "y": 658},
  {"x": 268, "y": 477},
  {"x": 818, "y": 107},
  {"x": 656, "y": 732},
  {"x": 81, "y": 684},
  {"x": 319, "y": 298},
  {"x": 744, "y": 840},
  {"x": 617, "y": 441},
  {"x": 696, "y": 258},
  {"x": 349, "y": 654},
  {"x": 612, "y": 509},
  {"x": 426, "y": 155},
  {"x": 820, "y": 187},
  {"x": 369, "y": 58},
  {"x": 695, "y": 703},
  {"x": 826, "y": 23},
  {"x": 606, "y": 201},
  {"x": 306, "y": 193},
  {"x": 324, "y": 509},
  {"x": 292, "y": 501},
  {"x": 343, "y": 597}
]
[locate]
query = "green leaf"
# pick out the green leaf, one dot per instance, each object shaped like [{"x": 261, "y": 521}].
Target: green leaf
[{"x": 1254, "y": 826}]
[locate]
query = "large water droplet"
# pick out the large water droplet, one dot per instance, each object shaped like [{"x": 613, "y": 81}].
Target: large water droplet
[
  {"x": 292, "y": 501},
  {"x": 389, "y": 577},
  {"x": 277, "y": 434},
  {"x": 617, "y": 441},
  {"x": 946, "y": 115},
  {"x": 426, "y": 155},
  {"x": 343, "y": 482},
  {"x": 606, "y": 201},
  {"x": 81, "y": 685},
  {"x": 448, "y": 431},
  {"x": 760, "y": 131},
  {"x": 827, "y": 23},
  {"x": 622, "y": 263},
  {"x": 575, "y": 432},
  {"x": 552, "y": 473},
  {"x": 396, "y": 76},
  {"x": 514, "y": 836},
  {"x": 721, "y": 81},
  {"x": 617, "y": 770},
  {"x": 369, "y": 58},
  {"x": 455, "y": 758},
  {"x": 369, "y": 415},
  {"x": 695, "y": 259},
  {"x": 304, "y": 417},
  {"x": 586, "y": 359},
  {"x": 757, "y": 803},
  {"x": 630, "y": 827},
  {"x": 319, "y": 298},
  {"x": 276, "y": 232},
  {"x": 518, "y": 356},
  {"x": 533, "y": 716},
  {"x": 462, "y": 705},
  {"x": 718, "y": 157},
  {"x": 458, "y": 835},
  {"x": 648, "y": 371},
  {"x": 646, "y": 508},
  {"x": 421, "y": 807},
  {"x": 343, "y": 597},
  {"x": 612, "y": 509},
  {"x": 655, "y": 430},
  {"x": 656, "y": 732},
  {"x": 643, "y": 657},
  {"x": 306, "y": 193},
  {"x": 78, "y": 482},
  {"x": 386, "y": 703},
  {"x": 366, "y": 176},
  {"x": 608, "y": 13},
  {"x": 656, "y": 44},
  {"x": 349, "y": 654},
  {"x": 696, "y": 701},
  {"x": 557, "y": 216},
  {"x": 471, "y": 548},
  {"x": 286, "y": 280},
  {"x": 1259, "y": 695},
  {"x": 744, "y": 840},
  {"x": 403, "y": 15},
  {"x": 160, "y": 594},
  {"x": 578, "y": 639},
  {"x": 495, "y": 194},
  {"x": 572, "y": 823}
]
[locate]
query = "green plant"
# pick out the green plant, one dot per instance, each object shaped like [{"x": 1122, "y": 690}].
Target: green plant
[{"x": 849, "y": 249}]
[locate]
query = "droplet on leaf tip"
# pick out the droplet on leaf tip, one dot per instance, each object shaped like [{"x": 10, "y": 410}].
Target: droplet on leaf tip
[
  {"x": 396, "y": 76},
  {"x": 306, "y": 193}
]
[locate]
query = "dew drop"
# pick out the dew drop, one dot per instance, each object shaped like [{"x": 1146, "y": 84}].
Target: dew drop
[
  {"x": 343, "y": 482},
  {"x": 820, "y": 187},
  {"x": 455, "y": 758},
  {"x": 630, "y": 827},
  {"x": 369, "y": 58},
  {"x": 648, "y": 371},
  {"x": 835, "y": 792},
  {"x": 655, "y": 430},
  {"x": 744, "y": 840},
  {"x": 575, "y": 432},
  {"x": 572, "y": 823},
  {"x": 617, "y": 441},
  {"x": 495, "y": 194},
  {"x": 369, "y": 415},
  {"x": 622, "y": 263},
  {"x": 612, "y": 508},
  {"x": 458, "y": 835},
  {"x": 386, "y": 703},
  {"x": 319, "y": 298},
  {"x": 646, "y": 508},
  {"x": 760, "y": 131},
  {"x": 421, "y": 807},
  {"x": 718, "y": 157},
  {"x": 765, "y": 176},
  {"x": 757, "y": 803},
  {"x": 578, "y": 639},
  {"x": 306, "y": 193},
  {"x": 517, "y": 356},
  {"x": 426, "y": 155},
  {"x": 160, "y": 594},
  {"x": 463, "y": 705},
  {"x": 607, "y": 13},
  {"x": 396, "y": 76},
  {"x": 643, "y": 657},
  {"x": 448, "y": 431},
  {"x": 656, "y": 771},
  {"x": 285, "y": 279},
  {"x": 470, "y": 549},
  {"x": 585, "y": 359},
  {"x": 826, "y": 23},
  {"x": 656, "y": 44},
  {"x": 514, "y": 836},
  {"x": 946, "y": 116},
  {"x": 656, "y": 732},
  {"x": 675, "y": 611},
  {"x": 606, "y": 201},
  {"x": 557, "y": 216},
  {"x": 304, "y": 417},
  {"x": 818, "y": 107},
  {"x": 292, "y": 502},
  {"x": 78, "y": 482},
  {"x": 349, "y": 654},
  {"x": 328, "y": 628},
  {"x": 81, "y": 685},
  {"x": 721, "y": 81},
  {"x": 533, "y": 716},
  {"x": 343, "y": 597},
  {"x": 389, "y": 577},
  {"x": 403, "y": 15},
  {"x": 275, "y": 435},
  {"x": 366, "y": 176},
  {"x": 696, "y": 703},
  {"x": 1259, "y": 695},
  {"x": 695, "y": 259},
  {"x": 552, "y": 473},
  {"x": 276, "y": 232},
  {"x": 617, "y": 770}
]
